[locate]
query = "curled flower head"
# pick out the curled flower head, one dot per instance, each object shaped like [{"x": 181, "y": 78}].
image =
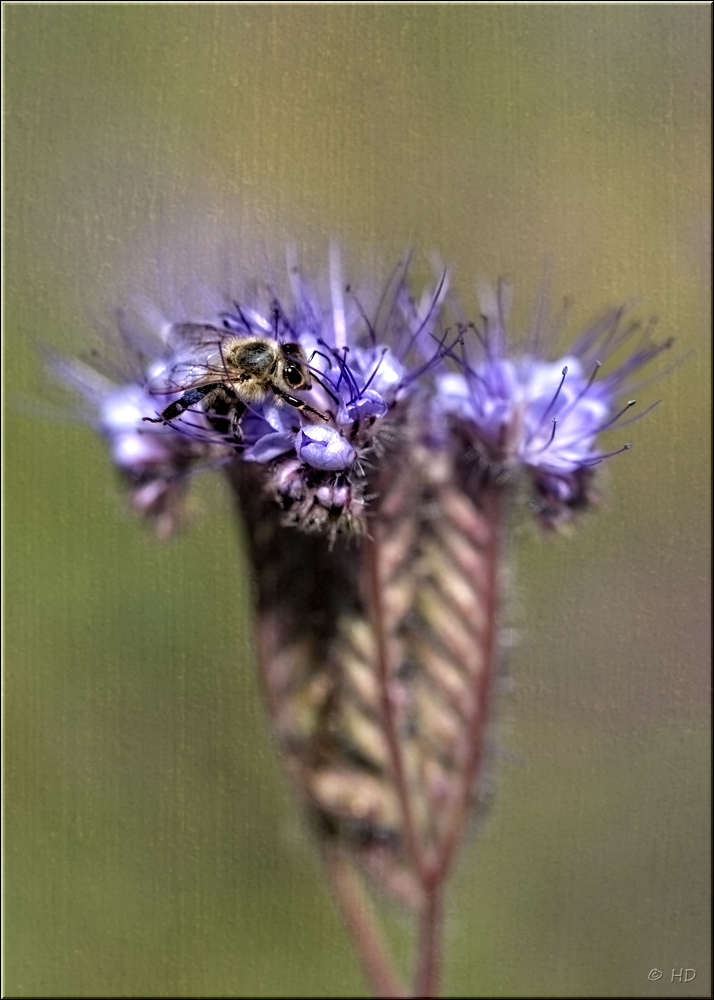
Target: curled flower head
[{"x": 545, "y": 417}]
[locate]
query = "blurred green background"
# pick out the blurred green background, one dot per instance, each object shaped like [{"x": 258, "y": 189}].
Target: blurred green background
[{"x": 152, "y": 848}]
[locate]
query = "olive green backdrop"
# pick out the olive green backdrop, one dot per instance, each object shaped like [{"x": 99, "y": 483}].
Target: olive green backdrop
[{"x": 152, "y": 848}]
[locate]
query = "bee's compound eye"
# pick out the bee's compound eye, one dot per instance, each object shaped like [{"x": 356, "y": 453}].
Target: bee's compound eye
[{"x": 293, "y": 374}]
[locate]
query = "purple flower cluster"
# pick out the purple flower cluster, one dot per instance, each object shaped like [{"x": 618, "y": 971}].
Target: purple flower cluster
[
  {"x": 521, "y": 411},
  {"x": 333, "y": 380}
]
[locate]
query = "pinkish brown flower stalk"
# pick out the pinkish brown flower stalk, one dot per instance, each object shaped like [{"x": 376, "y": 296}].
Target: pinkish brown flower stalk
[{"x": 372, "y": 461}]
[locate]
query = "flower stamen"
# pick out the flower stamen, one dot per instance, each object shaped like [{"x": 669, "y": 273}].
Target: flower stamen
[
  {"x": 613, "y": 420},
  {"x": 609, "y": 454},
  {"x": 548, "y": 442},
  {"x": 435, "y": 303},
  {"x": 557, "y": 393},
  {"x": 370, "y": 328},
  {"x": 377, "y": 367}
]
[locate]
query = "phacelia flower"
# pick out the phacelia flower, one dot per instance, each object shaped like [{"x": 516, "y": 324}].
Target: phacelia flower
[
  {"x": 378, "y": 652},
  {"x": 311, "y": 392},
  {"x": 521, "y": 411},
  {"x": 304, "y": 389}
]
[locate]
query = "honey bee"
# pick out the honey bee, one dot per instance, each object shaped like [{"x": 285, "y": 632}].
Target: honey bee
[{"x": 225, "y": 372}]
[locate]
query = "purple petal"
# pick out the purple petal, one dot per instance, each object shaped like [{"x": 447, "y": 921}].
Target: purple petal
[
  {"x": 268, "y": 447},
  {"x": 324, "y": 448}
]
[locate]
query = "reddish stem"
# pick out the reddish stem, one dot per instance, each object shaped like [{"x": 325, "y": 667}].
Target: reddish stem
[
  {"x": 428, "y": 969},
  {"x": 362, "y": 925}
]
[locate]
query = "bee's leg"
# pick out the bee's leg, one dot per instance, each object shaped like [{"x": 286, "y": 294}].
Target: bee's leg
[
  {"x": 236, "y": 433},
  {"x": 225, "y": 416},
  {"x": 179, "y": 406},
  {"x": 299, "y": 405}
]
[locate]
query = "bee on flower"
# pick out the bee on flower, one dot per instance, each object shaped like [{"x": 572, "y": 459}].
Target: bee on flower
[{"x": 303, "y": 389}]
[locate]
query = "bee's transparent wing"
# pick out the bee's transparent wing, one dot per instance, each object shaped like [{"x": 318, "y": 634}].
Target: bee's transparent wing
[
  {"x": 195, "y": 358},
  {"x": 184, "y": 338}
]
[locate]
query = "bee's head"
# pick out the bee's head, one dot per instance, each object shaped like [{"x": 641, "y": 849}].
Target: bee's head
[{"x": 295, "y": 371}]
